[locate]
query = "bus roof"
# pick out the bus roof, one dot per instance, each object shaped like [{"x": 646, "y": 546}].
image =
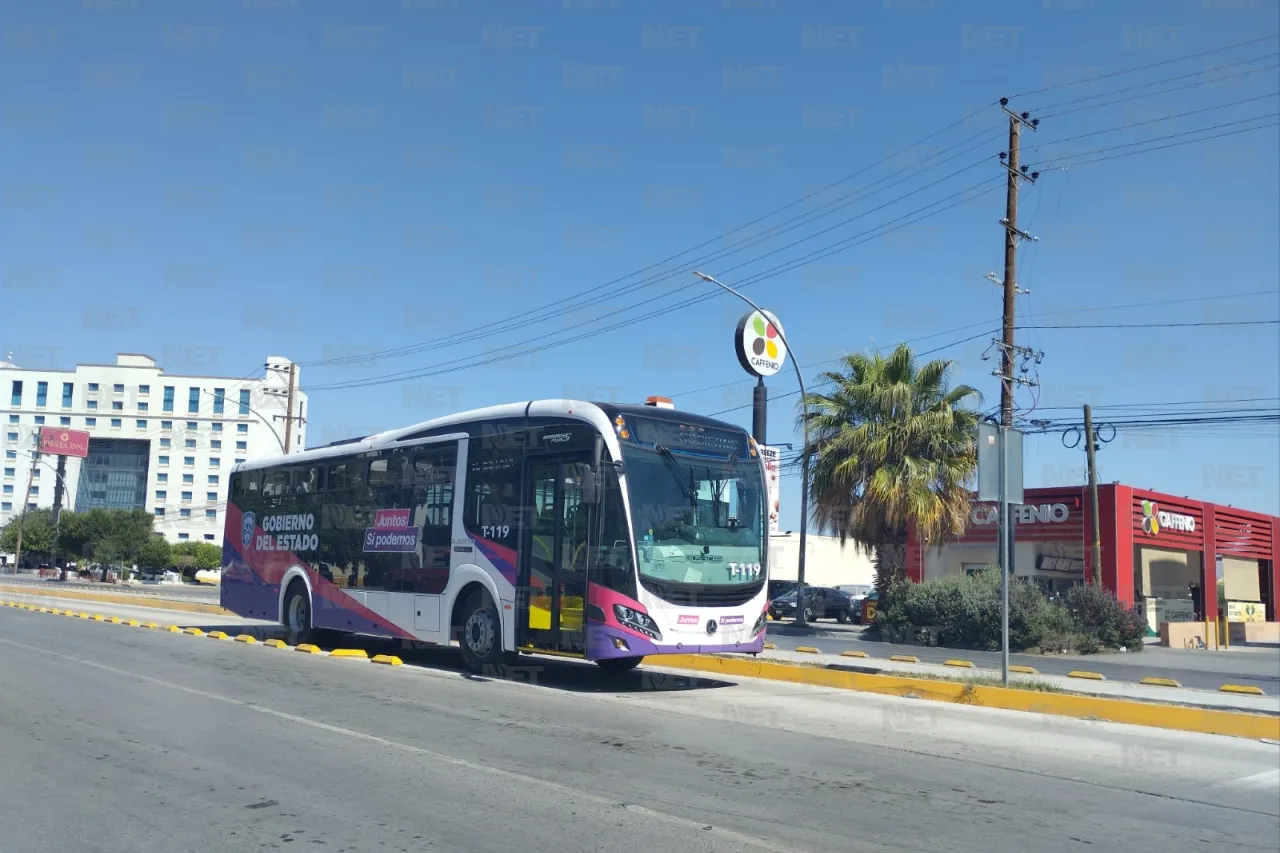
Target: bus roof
[{"x": 600, "y": 413}]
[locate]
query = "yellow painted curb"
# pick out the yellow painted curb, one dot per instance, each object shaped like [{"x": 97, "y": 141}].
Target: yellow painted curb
[
  {"x": 348, "y": 653},
  {"x": 809, "y": 650},
  {"x": 1241, "y": 688},
  {"x": 1025, "y": 670},
  {"x": 150, "y": 625},
  {"x": 854, "y": 653},
  {"x": 83, "y": 615},
  {"x": 1151, "y": 714},
  {"x": 389, "y": 660},
  {"x": 770, "y": 645},
  {"x": 904, "y": 658},
  {"x": 309, "y": 649},
  {"x": 967, "y": 664},
  {"x": 1160, "y": 682},
  {"x": 174, "y": 629},
  {"x": 246, "y": 638},
  {"x": 114, "y": 620},
  {"x": 132, "y": 623},
  {"x": 1092, "y": 676},
  {"x": 276, "y": 644},
  {"x": 56, "y": 612},
  {"x": 219, "y": 635},
  {"x": 195, "y": 632},
  {"x": 97, "y": 617},
  {"x": 124, "y": 598}
]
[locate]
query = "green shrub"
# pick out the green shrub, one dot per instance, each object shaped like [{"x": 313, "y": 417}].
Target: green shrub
[{"x": 1096, "y": 613}]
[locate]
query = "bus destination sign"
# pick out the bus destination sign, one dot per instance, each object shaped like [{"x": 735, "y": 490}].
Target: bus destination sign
[{"x": 690, "y": 436}]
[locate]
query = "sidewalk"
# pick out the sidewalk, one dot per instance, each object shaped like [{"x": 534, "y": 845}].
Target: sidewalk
[
  {"x": 1110, "y": 689},
  {"x": 202, "y": 593}
]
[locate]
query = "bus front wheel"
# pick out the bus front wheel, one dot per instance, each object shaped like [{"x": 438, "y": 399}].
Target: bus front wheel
[
  {"x": 480, "y": 633},
  {"x": 297, "y": 615}
]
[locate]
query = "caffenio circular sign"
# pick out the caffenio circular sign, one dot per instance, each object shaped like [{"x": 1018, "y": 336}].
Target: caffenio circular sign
[{"x": 759, "y": 343}]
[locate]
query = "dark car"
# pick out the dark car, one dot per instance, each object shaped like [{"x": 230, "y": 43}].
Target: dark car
[
  {"x": 777, "y": 589},
  {"x": 820, "y": 603}
]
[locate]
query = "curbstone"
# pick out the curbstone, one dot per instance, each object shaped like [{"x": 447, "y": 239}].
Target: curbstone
[
  {"x": 771, "y": 645},
  {"x": 1025, "y": 670},
  {"x": 966, "y": 664},
  {"x": 114, "y": 620},
  {"x": 854, "y": 653},
  {"x": 97, "y": 617},
  {"x": 1160, "y": 682},
  {"x": 246, "y": 638},
  {"x": 1241, "y": 688},
  {"x": 195, "y": 632},
  {"x": 174, "y": 629},
  {"x": 56, "y": 612},
  {"x": 388, "y": 660},
  {"x": 1091, "y": 676},
  {"x": 308, "y": 648},
  {"x": 349, "y": 653},
  {"x": 132, "y": 623},
  {"x": 904, "y": 658},
  {"x": 809, "y": 650},
  {"x": 218, "y": 635},
  {"x": 276, "y": 644}
]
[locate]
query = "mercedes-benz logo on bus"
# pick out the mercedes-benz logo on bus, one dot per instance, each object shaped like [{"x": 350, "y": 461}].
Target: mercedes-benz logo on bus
[{"x": 711, "y": 626}]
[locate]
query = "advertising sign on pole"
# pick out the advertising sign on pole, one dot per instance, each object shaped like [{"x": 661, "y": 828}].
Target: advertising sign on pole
[
  {"x": 772, "y": 460},
  {"x": 64, "y": 442}
]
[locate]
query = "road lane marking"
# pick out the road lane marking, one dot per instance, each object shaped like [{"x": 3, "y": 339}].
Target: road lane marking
[{"x": 701, "y": 827}]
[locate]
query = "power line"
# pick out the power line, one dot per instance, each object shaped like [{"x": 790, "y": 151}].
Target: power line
[
  {"x": 1046, "y": 163},
  {"x": 1165, "y": 91},
  {"x": 1159, "y": 325}
]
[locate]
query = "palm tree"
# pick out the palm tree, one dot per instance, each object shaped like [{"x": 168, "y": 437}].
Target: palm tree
[{"x": 891, "y": 446}]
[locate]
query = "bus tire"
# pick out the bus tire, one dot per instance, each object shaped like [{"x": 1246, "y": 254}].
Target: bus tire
[
  {"x": 479, "y": 632},
  {"x": 618, "y": 664},
  {"x": 296, "y": 617}
]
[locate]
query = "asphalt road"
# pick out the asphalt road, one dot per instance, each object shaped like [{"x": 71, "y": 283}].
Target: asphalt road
[
  {"x": 121, "y": 739},
  {"x": 1201, "y": 670}
]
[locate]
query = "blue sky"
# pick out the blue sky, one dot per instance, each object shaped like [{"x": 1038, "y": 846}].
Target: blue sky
[{"x": 215, "y": 182}]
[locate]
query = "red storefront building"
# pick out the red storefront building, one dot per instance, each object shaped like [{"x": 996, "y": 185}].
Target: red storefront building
[{"x": 1158, "y": 551}]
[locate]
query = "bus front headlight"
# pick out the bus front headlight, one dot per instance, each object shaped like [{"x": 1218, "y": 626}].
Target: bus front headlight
[{"x": 637, "y": 621}]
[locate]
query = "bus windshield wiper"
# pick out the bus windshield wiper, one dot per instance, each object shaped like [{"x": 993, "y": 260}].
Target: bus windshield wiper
[{"x": 676, "y": 469}]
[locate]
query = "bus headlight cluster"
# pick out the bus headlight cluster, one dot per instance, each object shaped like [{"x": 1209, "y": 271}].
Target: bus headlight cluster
[{"x": 637, "y": 621}]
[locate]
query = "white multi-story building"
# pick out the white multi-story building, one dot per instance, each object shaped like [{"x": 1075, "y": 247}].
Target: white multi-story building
[{"x": 158, "y": 442}]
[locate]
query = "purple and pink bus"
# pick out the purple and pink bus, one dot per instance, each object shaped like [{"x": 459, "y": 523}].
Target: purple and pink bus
[{"x": 589, "y": 530}]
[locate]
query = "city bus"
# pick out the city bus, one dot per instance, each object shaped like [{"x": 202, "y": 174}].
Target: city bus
[{"x": 596, "y": 531}]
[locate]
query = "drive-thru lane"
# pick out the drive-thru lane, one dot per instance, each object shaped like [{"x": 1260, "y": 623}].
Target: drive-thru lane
[{"x": 120, "y": 738}]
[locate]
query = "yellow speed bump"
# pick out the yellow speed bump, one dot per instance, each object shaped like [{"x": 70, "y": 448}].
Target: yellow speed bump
[
  {"x": 97, "y": 617},
  {"x": 132, "y": 623},
  {"x": 219, "y": 635},
  {"x": 56, "y": 612},
  {"x": 1091, "y": 676},
  {"x": 966, "y": 664},
  {"x": 309, "y": 648},
  {"x": 904, "y": 658},
  {"x": 388, "y": 660},
  {"x": 150, "y": 625},
  {"x": 349, "y": 653},
  {"x": 854, "y": 653},
  {"x": 174, "y": 629},
  {"x": 246, "y": 638},
  {"x": 1241, "y": 688},
  {"x": 1160, "y": 682},
  {"x": 114, "y": 620},
  {"x": 809, "y": 650},
  {"x": 83, "y": 615},
  {"x": 195, "y": 632},
  {"x": 276, "y": 644},
  {"x": 770, "y": 645},
  {"x": 1025, "y": 670}
]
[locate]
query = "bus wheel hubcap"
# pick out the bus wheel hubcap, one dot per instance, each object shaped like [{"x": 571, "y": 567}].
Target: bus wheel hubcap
[
  {"x": 479, "y": 633},
  {"x": 297, "y": 614}
]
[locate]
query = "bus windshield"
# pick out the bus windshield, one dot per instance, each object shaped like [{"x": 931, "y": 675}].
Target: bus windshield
[{"x": 698, "y": 519}]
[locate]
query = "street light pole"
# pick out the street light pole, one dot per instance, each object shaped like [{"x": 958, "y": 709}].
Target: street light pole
[{"x": 804, "y": 456}]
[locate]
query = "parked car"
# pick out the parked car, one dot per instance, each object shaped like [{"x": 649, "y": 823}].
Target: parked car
[
  {"x": 820, "y": 603},
  {"x": 777, "y": 589}
]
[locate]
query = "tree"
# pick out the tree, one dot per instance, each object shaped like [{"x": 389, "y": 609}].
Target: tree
[
  {"x": 106, "y": 535},
  {"x": 155, "y": 554},
  {"x": 199, "y": 556},
  {"x": 891, "y": 446},
  {"x": 37, "y": 533}
]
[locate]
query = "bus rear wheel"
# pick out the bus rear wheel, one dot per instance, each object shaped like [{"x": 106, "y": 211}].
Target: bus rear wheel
[
  {"x": 479, "y": 632},
  {"x": 618, "y": 664},
  {"x": 297, "y": 615}
]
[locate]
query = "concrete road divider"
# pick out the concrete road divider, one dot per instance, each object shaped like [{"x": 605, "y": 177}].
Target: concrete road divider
[
  {"x": 904, "y": 658},
  {"x": 149, "y": 625},
  {"x": 1025, "y": 670},
  {"x": 195, "y": 632},
  {"x": 131, "y": 599},
  {"x": 276, "y": 644},
  {"x": 1241, "y": 688},
  {"x": 308, "y": 648},
  {"x": 219, "y": 635},
  {"x": 1160, "y": 682},
  {"x": 1151, "y": 714},
  {"x": 114, "y": 620},
  {"x": 965, "y": 664},
  {"x": 854, "y": 653},
  {"x": 349, "y": 653},
  {"x": 388, "y": 660},
  {"x": 97, "y": 617},
  {"x": 133, "y": 623},
  {"x": 809, "y": 650},
  {"x": 1091, "y": 676},
  {"x": 246, "y": 638},
  {"x": 770, "y": 645}
]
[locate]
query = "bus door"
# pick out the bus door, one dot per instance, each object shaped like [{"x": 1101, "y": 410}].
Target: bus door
[{"x": 554, "y": 555}]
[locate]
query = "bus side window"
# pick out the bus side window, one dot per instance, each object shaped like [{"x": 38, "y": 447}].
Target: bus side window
[
  {"x": 433, "y": 481},
  {"x": 492, "y": 507}
]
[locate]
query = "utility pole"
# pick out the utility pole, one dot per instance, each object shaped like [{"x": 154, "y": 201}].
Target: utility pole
[
  {"x": 31, "y": 473},
  {"x": 288, "y": 418},
  {"x": 1091, "y": 445}
]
